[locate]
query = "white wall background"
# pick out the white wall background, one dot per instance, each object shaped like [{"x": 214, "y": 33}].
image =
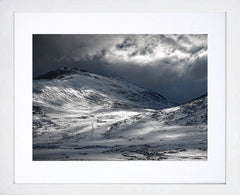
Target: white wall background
[{"x": 7, "y": 8}]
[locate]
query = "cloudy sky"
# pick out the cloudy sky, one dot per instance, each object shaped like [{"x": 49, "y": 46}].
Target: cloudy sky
[{"x": 173, "y": 65}]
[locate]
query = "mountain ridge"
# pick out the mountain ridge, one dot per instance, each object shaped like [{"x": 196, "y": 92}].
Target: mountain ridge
[
  {"x": 79, "y": 115},
  {"x": 115, "y": 88}
]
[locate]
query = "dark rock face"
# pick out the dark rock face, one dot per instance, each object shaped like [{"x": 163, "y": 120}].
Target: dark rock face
[{"x": 60, "y": 73}]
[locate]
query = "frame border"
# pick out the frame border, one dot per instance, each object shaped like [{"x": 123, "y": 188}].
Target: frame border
[{"x": 7, "y": 8}]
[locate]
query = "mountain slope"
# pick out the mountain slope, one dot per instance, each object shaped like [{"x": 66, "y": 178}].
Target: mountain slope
[
  {"x": 87, "y": 89},
  {"x": 83, "y": 116}
]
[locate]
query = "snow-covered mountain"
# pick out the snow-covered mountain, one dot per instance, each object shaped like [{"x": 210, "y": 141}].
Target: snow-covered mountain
[
  {"x": 79, "y": 115},
  {"x": 74, "y": 86}
]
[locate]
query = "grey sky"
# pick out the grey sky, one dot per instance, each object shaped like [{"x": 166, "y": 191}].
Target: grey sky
[{"x": 173, "y": 65}]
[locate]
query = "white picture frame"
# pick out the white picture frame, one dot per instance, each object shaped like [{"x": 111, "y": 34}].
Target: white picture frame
[
  {"x": 210, "y": 171},
  {"x": 7, "y": 184}
]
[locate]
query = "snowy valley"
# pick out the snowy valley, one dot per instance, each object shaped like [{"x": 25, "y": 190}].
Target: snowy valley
[{"x": 79, "y": 115}]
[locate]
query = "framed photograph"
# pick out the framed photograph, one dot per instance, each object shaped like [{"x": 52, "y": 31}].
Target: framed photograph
[
  {"x": 119, "y": 58},
  {"x": 119, "y": 98}
]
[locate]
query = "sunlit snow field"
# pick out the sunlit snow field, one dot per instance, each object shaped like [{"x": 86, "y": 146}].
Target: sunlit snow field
[{"x": 83, "y": 116}]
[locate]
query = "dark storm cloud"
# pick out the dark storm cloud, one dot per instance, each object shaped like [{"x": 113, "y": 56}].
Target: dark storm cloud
[
  {"x": 128, "y": 42},
  {"x": 196, "y": 49},
  {"x": 173, "y": 65}
]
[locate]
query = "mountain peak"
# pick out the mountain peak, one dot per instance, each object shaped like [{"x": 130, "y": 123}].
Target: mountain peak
[
  {"x": 96, "y": 90},
  {"x": 59, "y": 73}
]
